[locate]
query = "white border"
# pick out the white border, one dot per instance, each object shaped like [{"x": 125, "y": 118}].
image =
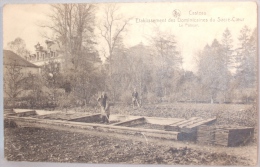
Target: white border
[{"x": 5, "y": 163}]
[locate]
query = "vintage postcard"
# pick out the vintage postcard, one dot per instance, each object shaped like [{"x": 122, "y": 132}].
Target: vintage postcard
[{"x": 171, "y": 83}]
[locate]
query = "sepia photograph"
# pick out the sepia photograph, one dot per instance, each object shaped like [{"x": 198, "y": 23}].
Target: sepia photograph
[{"x": 169, "y": 83}]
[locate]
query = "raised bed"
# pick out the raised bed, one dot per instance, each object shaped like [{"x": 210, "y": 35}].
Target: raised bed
[
  {"x": 228, "y": 136},
  {"x": 93, "y": 127},
  {"x": 233, "y": 136}
]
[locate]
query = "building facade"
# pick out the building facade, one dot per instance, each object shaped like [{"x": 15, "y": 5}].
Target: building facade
[
  {"x": 52, "y": 53},
  {"x": 46, "y": 54}
]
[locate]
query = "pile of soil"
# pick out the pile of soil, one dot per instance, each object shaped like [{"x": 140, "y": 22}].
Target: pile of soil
[{"x": 34, "y": 144}]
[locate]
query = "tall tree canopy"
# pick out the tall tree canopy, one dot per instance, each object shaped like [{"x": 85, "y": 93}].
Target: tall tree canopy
[
  {"x": 246, "y": 58},
  {"x": 18, "y": 46},
  {"x": 213, "y": 70}
]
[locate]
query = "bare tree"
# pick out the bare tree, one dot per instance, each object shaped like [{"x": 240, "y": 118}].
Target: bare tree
[
  {"x": 18, "y": 46},
  {"x": 111, "y": 29},
  {"x": 73, "y": 29},
  {"x": 72, "y": 26},
  {"x": 14, "y": 81}
]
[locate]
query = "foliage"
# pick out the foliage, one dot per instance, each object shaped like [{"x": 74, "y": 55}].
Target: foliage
[
  {"x": 126, "y": 97},
  {"x": 18, "y": 46},
  {"x": 246, "y": 59},
  {"x": 14, "y": 81},
  {"x": 73, "y": 27},
  {"x": 225, "y": 73},
  {"x": 152, "y": 98},
  {"x": 111, "y": 29},
  {"x": 213, "y": 71},
  {"x": 154, "y": 70}
]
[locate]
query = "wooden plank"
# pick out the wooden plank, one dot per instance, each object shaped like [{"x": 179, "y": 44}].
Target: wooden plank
[
  {"x": 131, "y": 122},
  {"x": 232, "y": 136},
  {"x": 87, "y": 118},
  {"x": 26, "y": 113},
  {"x": 208, "y": 121},
  {"x": 175, "y": 126},
  {"x": 177, "y": 122},
  {"x": 186, "y": 121},
  {"x": 162, "y": 121},
  {"x": 191, "y": 122},
  {"x": 97, "y": 128}
]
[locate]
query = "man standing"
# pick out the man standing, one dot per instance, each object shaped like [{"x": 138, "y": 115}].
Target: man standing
[
  {"x": 104, "y": 108},
  {"x": 135, "y": 98}
]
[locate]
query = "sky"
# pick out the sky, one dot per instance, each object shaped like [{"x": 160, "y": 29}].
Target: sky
[{"x": 195, "y": 25}]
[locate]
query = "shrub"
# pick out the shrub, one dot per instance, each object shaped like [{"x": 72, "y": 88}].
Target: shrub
[
  {"x": 66, "y": 101},
  {"x": 152, "y": 98},
  {"x": 126, "y": 98}
]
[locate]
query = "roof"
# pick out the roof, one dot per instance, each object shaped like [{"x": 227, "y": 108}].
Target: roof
[{"x": 11, "y": 58}]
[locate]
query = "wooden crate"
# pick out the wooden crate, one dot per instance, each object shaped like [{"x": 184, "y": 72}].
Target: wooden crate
[
  {"x": 228, "y": 136},
  {"x": 205, "y": 134},
  {"x": 233, "y": 136}
]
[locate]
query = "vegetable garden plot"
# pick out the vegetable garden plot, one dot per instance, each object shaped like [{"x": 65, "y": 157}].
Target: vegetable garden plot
[{"x": 157, "y": 127}]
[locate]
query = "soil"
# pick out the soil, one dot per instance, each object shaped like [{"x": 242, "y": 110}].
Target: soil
[
  {"x": 49, "y": 145},
  {"x": 34, "y": 144},
  {"x": 227, "y": 114}
]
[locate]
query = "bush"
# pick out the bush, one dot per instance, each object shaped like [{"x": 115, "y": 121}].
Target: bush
[
  {"x": 244, "y": 96},
  {"x": 126, "y": 98},
  {"x": 152, "y": 98},
  {"x": 66, "y": 101}
]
